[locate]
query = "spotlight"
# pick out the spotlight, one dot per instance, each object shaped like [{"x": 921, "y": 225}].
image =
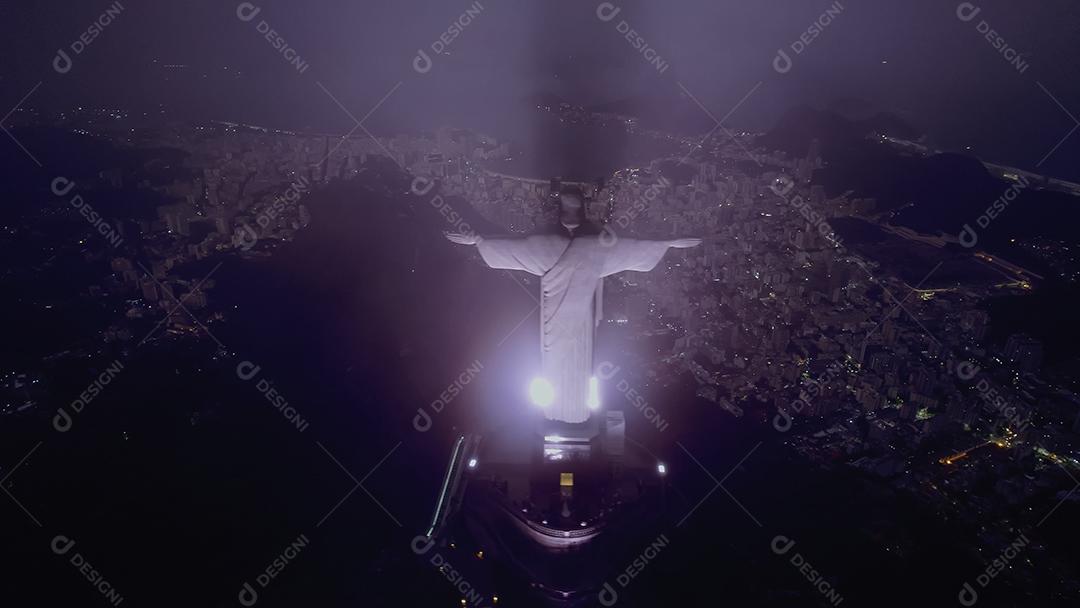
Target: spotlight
[
  {"x": 472, "y": 463},
  {"x": 593, "y": 401},
  {"x": 541, "y": 392}
]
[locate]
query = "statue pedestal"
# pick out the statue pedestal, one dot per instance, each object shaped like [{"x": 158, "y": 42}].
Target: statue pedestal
[
  {"x": 581, "y": 432},
  {"x": 602, "y": 437},
  {"x": 564, "y": 441}
]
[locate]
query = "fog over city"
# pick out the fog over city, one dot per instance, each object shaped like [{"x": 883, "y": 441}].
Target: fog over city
[{"x": 540, "y": 303}]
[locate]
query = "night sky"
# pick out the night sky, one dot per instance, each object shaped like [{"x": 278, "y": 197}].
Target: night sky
[{"x": 941, "y": 74}]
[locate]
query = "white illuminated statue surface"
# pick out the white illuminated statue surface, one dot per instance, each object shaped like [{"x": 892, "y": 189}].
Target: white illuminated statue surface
[{"x": 572, "y": 271}]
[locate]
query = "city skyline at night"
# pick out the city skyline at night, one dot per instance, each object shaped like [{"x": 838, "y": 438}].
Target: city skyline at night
[{"x": 542, "y": 304}]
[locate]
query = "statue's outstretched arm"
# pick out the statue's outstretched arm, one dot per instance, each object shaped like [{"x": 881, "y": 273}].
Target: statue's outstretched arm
[
  {"x": 464, "y": 239},
  {"x": 534, "y": 254},
  {"x": 641, "y": 255},
  {"x": 684, "y": 243}
]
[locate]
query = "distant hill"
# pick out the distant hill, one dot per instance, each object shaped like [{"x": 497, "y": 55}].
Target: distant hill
[
  {"x": 801, "y": 125},
  {"x": 545, "y": 99},
  {"x": 937, "y": 193},
  {"x": 81, "y": 159}
]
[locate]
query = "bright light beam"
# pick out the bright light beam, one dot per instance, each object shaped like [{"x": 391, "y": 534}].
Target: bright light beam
[
  {"x": 593, "y": 400},
  {"x": 541, "y": 392}
]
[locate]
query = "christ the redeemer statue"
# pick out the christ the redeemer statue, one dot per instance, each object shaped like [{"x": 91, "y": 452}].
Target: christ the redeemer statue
[{"x": 572, "y": 271}]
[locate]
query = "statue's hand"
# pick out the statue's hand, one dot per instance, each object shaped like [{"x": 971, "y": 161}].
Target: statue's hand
[
  {"x": 464, "y": 239},
  {"x": 684, "y": 243}
]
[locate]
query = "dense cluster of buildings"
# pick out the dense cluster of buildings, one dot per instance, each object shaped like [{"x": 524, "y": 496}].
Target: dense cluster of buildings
[
  {"x": 773, "y": 318},
  {"x": 776, "y": 319},
  {"x": 194, "y": 192},
  {"x": 238, "y": 188}
]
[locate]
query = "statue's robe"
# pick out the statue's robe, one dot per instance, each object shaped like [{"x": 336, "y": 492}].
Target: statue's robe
[{"x": 572, "y": 272}]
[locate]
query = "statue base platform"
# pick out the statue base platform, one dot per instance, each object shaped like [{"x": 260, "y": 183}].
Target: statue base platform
[{"x": 552, "y": 503}]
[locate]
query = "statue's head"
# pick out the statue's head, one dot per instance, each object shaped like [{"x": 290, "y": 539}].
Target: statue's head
[{"x": 571, "y": 208}]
